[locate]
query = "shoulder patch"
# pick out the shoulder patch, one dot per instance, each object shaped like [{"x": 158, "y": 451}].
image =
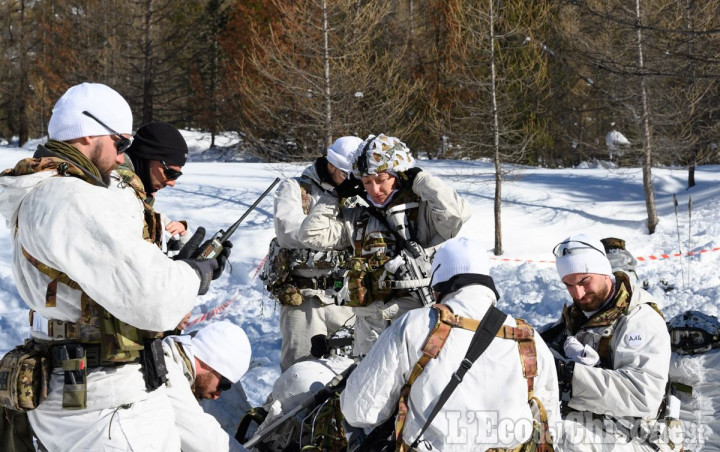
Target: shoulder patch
[{"x": 634, "y": 339}]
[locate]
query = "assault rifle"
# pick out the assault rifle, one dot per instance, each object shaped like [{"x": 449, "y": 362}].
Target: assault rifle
[
  {"x": 411, "y": 269},
  {"x": 214, "y": 246},
  {"x": 337, "y": 384}
]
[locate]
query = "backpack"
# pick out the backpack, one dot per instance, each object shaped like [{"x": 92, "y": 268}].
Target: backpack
[{"x": 523, "y": 334}]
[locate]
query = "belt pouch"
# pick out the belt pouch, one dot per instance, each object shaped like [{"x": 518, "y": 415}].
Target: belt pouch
[
  {"x": 153, "y": 364},
  {"x": 73, "y": 361}
]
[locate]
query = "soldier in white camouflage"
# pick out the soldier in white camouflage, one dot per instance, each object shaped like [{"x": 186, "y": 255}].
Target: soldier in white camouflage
[
  {"x": 300, "y": 279},
  {"x": 404, "y": 205},
  {"x": 105, "y": 293}
]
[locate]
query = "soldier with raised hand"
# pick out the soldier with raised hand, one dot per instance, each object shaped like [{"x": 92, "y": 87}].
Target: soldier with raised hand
[
  {"x": 405, "y": 205},
  {"x": 80, "y": 260},
  {"x": 302, "y": 279}
]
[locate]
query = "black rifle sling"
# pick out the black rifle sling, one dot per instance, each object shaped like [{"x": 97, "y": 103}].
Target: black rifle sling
[{"x": 484, "y": 335}]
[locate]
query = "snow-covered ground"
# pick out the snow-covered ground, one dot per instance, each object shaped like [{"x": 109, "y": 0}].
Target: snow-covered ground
[{"x": 541, "y": 207}]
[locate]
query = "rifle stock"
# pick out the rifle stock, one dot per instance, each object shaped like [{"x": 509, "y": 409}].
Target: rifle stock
[{"x": 337, "y": 383}]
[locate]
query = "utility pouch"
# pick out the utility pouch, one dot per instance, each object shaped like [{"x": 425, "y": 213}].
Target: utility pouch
[
  {"x": 121, "y": 342},
  {"x": 153, "y": 363},
  {"x": 24, "y": 377},
  {"x": 358, "y": 278},
  {"x": 287, "y": 294},
  {"x": 71, "y": 357}
]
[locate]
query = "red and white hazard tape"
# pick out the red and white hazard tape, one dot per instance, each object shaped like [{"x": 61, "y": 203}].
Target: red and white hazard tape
[
  {"x": 218, "y": 309},
  {"x": 649, "y": 258},
  {"x": 653, "y": 257},
  {"x": 211, "y": 313}
]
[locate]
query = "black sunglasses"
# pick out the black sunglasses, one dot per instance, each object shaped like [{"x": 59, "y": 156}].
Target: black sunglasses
[
  {"x": 170, "y": 174},
  {"x": 122, "y": 144},
  {"x": 560, "y": 251},
  {"x": 224, "y": 384}
]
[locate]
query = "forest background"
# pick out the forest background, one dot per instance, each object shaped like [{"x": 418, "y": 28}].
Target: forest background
[{"x": 547, "y": 83}]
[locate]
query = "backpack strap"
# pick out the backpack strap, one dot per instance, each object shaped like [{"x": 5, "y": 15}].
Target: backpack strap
[
  {"x": 484, "y": 334},
  {"x": 152, "y": 227},
  {"x": 523, "y": 334},
  {"x": 55, "y": 275},
  {"x": 190, "y": 372},
  {"x": 430, "y": 350}
]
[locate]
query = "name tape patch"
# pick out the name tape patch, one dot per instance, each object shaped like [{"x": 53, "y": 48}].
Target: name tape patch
[{"x": 634, "y": 339}]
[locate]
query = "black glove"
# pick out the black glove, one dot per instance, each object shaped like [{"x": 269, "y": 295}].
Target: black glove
[
  {"x": 350, "y": 187},
  {"x": 565, "y": 370},
  {"x": 320, "y": 347},
  {"x": 205, "y": 270},
  {"x": 191, "y": 247},
  {"x": 410, "y": 175},
  {"x": 222, "y": 258}
]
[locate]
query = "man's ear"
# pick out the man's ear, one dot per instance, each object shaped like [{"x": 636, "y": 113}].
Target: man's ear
[{"x": 83, "y": 141}]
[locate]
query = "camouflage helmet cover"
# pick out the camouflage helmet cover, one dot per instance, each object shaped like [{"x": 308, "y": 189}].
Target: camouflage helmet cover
[{"x": 382, "y": 153}]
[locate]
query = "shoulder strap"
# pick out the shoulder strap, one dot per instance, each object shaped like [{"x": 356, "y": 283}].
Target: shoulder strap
[
  {"x": 152, "y": 227},
  {"x": 189, "y": 372},
  {"x": 56, "y": 277},
  {"x": 402, "y": 243},
  {"x": 484, "y": 335},
  {"x": 430, "y": 350}
]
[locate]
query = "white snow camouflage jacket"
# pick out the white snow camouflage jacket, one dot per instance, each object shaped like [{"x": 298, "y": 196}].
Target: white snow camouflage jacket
[
  {"x": 485, "y": 408},
  {"x": 199, "y": 431},
  {"x": 442, "y": 213},
  {"x": 94, "y": 235},
  {"x": 640, "y": 351}
]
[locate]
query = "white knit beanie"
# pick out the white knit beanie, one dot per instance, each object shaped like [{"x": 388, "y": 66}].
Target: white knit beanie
[
  {"x": 340, "y": 154},
  {"x": 581, "y": 253},
  {"x": 458, "y": 256},
  {"x": 224, "y": 347},
  {"x": 68, "y": 121}
]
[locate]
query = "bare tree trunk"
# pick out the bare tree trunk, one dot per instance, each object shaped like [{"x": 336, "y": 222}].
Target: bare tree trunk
[
  {"x": 148, "y": 63},
  {"x": 652, "y": 219},
  {"x": 23, "y": 123},
  {"x": 496, "y": 135},
  {"x": 326, "y": 57},
  {"x": 691, "y": 169}
]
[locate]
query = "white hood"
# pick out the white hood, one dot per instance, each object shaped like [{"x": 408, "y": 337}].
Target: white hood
[{"x": 13, "y": 190}]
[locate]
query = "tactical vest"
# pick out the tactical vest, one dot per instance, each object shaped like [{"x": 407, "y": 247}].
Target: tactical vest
[
  {"x": 598, "y": 330},
  {"x": 118, "y": 341},
  {"x": 289, "y": 288},
  {"x": 280, "y": 270},
  {"x": 523, "y": 334},
  {"x": 372, "y": 250}
]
